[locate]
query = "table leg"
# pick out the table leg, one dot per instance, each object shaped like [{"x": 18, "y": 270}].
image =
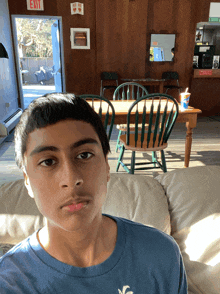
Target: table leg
[
  {"x": 188, "y": 145},
  {"x": 189, "y": 126}
]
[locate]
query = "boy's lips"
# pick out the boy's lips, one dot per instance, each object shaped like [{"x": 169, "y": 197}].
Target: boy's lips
[
  {"x": 73, "y": 205},
  {"x": 76, "y": 207}
]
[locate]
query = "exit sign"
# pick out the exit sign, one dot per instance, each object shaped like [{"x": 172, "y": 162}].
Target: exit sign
[{"x": 35, "y": 5}]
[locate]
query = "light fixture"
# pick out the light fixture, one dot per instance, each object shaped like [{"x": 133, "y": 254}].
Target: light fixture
[{"x": 3, "y": 52}]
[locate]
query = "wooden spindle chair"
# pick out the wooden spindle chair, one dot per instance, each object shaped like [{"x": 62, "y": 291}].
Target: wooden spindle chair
[
  {"x": 159, "y": 112},
  {"x": 127, "y": 91},
  {"x": 107, "y": 116}
]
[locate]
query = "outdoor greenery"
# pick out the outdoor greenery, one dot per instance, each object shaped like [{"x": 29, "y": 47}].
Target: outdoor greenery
[{"x": 34, "y": 37}]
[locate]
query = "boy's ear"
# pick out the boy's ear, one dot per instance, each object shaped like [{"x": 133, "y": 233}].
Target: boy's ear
[
  {"x": 108, "y": 177},
  {"x": 27, "y": 184},
  {"x": 108, "y": 170}
]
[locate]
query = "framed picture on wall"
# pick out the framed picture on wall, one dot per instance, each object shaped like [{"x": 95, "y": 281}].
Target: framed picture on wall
[
  {"x": 199, "y": 36},
  {"x": 80, "y": 38}
]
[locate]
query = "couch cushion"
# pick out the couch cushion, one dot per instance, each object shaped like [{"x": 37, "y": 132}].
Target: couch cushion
[
  {"x": 137, "y": 198},
  {"x": 19, "y": 215},
  {"x": 194, "y": 203}
]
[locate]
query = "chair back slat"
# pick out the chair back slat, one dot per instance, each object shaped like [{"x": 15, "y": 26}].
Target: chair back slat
[
  {"x": 128, "y": 130},
  {"x": 169, "y": 121},
  {"x": 123, "y": 95},
  {"x": 136, "y": 126},
  {"x": 150, "y": 123},
  {"x": 156, "y": 127},
  {"x": 169, "y": 126},
  {"x": 160, "y": 140},
  {"x": 143, "y": 124},
  {"x": 133, "y": 95},
  {"x": 100, "y": 109},
  {"x": 132, "y": 90},
  {"x": 138, "y": 93},
  {"x": 92, "y": 103},
  {"x": 107, "y": 116},
  {"x": 157, "y": 120},
  {"x": 128, "y": 93}
]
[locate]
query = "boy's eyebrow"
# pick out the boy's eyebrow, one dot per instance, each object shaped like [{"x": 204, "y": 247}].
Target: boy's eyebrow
[{"x": 43, "y": 148}]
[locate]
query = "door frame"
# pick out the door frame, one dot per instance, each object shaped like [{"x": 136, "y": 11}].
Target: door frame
[{"x": 15, "y": 42}]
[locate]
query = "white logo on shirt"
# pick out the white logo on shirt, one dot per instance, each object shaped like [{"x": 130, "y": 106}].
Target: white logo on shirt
[{"x": 124, "y": 290}]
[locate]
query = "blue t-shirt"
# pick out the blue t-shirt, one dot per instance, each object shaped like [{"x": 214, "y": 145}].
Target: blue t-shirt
[{"x": 144, "y": 261}]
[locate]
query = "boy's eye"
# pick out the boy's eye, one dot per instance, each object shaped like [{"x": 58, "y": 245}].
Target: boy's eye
[
  {"x": 48, "y": 162},
  {"x": 84, "y": 155}
]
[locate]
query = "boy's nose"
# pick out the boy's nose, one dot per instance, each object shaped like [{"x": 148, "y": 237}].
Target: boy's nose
[{"x": 71, "y": 176}]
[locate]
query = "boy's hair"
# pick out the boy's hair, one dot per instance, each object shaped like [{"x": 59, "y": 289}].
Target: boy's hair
[{"x": 50, "y": 109}]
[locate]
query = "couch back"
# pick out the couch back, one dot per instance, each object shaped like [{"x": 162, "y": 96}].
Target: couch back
[
  {"x": 138, "y": 198},
  {"x": 193, "y": 196}
]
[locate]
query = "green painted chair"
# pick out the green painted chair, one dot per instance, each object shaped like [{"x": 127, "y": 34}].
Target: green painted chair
[
  {"x": 159, "y": 112},
  {"x": 127, "y": 91},
  {"x": 104, "y": 108}
]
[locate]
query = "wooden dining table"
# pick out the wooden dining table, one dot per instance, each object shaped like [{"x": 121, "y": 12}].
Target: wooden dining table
[
  {"x": 188, "y": 116},
  {"x": 148, "y": 82}
]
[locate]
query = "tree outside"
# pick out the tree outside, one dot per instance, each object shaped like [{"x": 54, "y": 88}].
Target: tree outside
[{"x": 34, "y": 37}]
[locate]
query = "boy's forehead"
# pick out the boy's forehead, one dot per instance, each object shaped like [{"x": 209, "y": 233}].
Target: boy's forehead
[
  {"x": 63, "y": 124},
  {"x": 68, "y": 129}
]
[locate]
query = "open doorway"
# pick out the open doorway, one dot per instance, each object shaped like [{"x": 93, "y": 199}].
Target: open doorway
[{"x": 39, "y": 56}]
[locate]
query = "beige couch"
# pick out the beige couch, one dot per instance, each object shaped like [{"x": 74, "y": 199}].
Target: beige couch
[{"x": 184, "y": 203}]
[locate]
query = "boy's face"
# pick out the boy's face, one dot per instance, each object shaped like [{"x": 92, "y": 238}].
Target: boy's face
[{"x": 67, "y": 173}]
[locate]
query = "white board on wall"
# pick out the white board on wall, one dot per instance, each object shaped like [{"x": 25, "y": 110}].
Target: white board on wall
[{"x": 214, "y": 10}]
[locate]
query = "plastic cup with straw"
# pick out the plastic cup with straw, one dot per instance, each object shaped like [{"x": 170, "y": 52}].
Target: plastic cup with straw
[{"x": 184, "y": 99}]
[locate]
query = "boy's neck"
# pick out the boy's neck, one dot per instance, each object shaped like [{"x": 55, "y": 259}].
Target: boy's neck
[{"x": 81, "y": 249}]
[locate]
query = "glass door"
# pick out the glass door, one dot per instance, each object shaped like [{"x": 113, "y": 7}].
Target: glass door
[{"x": 39, "y": 56}]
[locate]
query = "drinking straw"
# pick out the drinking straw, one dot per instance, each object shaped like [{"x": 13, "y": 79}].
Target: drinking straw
[{"x": 186, "y": 90}]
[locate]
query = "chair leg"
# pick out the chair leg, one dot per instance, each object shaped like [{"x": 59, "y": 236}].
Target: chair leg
[
  {"x": 164, "y": 167},
  {"x": 118, "y": 141},
  {"x": 120, "y": 157},
  {"x": 154, "y": 158},
  {"x": 132, "y": 162}
]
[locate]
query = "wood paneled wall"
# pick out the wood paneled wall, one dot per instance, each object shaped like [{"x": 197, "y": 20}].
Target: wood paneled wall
[{"x": 120, "y": 37}]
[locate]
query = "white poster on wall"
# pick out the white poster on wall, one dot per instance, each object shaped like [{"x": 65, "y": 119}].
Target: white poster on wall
[
  {"x": 80, "y": 38},
  {"x": 35, "y": 5},
  {"x": 214, "y": 9}
]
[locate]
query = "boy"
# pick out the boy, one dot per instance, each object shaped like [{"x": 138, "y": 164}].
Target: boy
[{"x": 62, "y": 148}]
